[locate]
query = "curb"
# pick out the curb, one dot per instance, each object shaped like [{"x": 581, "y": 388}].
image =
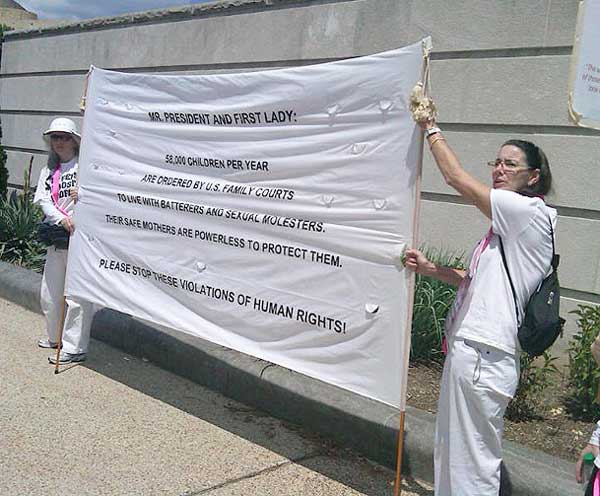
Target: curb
[{"x": 367, "y": 426}]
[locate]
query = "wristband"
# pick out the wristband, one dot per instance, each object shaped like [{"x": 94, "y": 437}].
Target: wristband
[
  {"x": 435, "y": 140},
  {"x": 431, "y": 131}
]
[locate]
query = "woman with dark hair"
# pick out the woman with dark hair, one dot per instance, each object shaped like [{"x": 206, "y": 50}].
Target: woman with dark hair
[
  {"x": 481, "y": 370},
  {"x": 55, "y": 196}
]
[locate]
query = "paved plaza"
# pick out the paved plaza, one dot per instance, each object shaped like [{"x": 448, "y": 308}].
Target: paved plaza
[{"x": 118, "y": 425}]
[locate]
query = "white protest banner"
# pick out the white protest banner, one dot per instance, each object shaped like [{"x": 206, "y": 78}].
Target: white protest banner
[
  {"x": 584, "y": 81},
  {"x": 266, "y": 211}
]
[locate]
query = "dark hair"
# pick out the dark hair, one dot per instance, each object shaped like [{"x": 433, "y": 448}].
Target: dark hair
[
  {"x": 536, "y": 159},
  {"x": 53, "y": 160}
]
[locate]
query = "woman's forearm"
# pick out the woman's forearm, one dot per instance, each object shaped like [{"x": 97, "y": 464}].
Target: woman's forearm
[
  {"x": 444, "y": 274},
  {"x": 446, "y": 160},
  {"x": 52, "y": 213}
]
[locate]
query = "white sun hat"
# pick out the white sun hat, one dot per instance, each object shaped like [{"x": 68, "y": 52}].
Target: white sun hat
[{"x": 62, "y": 125}]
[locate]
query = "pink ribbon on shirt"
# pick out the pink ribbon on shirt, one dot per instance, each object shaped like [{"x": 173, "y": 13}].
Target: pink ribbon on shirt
[
  {"x": 464, "y": 286},
  {"x": 55, "y": 187},
  {"x": 596, "y": 488}
]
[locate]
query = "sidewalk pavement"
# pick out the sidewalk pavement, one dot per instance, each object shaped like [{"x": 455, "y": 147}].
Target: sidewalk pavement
[
  {"x": 369, "y": 427},
  {"x": 118, "y": 425}
]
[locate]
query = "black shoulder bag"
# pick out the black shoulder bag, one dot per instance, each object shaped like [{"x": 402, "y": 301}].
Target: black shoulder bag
[
  {"x": 542, "y": 323},
  {"x": 53, "y": 235}
]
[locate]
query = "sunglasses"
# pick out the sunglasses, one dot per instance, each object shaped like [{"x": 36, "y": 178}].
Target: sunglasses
[{"x": 60, "y": 137}]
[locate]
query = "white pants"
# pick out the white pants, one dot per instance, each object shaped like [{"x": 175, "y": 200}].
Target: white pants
[
  {"x": 79, "y": 313},
  {"x": 477, "y": 384}
]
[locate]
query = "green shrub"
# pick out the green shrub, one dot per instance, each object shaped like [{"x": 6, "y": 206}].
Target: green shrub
[
  {"x": 584, "y": 373},
  {"x": 535, "y": 377},
  {"x": 433, "y": 299},
  {"x": 19, "y": 219}
]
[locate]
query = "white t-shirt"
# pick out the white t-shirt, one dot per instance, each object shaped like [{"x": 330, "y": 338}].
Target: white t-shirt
[
  {"x": 595, "y": 440},
  {"x": 43, "y": 192},
  {"x": 488, "y": 313}
]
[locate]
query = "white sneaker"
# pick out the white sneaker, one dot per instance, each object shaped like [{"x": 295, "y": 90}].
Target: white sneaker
[
  {"x": 65, "y": 357},
  {"x": 46, "y": 343}
]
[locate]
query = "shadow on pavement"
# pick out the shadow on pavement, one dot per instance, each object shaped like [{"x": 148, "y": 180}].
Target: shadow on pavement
[{"x": 314, "y": 452}]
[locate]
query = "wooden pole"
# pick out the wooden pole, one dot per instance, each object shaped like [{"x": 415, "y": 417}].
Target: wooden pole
[
  {"x": 411, "y": 283},
  {"x": 398, "y": 485},
  {"x": 60, "y": 331},
  {"x": 82, "y": 105},
  {"x": 411, "y": 299}
]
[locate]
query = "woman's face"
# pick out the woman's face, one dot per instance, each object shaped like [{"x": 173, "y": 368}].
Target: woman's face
[
  {"x": 64, "y": 145},
  {"x": 511, "y": 171}
]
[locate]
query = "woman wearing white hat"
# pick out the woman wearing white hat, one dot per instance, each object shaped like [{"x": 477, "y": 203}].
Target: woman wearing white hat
[{"x": 53, "y": 194}]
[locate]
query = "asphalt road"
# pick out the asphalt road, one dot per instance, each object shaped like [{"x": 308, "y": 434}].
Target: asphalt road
[{"x": 118, "y": 425}]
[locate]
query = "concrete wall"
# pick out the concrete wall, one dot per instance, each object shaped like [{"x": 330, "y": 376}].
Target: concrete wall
[{"x": 499, "y": 70}]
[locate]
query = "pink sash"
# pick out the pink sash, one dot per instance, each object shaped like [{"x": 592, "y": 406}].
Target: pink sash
[
  {"x": 464, "y": 286},
  {"x": 596, "y": 489},
  {"x": 55, "y": 187}
]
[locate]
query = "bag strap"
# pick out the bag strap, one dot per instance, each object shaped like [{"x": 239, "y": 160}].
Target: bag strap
[
  {"x": 554, "y": 262},
  {"x": 555, "y": 258},
  {"x": 512, "y": 286}
]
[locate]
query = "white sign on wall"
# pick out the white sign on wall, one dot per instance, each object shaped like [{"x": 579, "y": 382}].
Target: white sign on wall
[
  {"x": 266, "y": 211},
  {"x": 584, "y": 84}
]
